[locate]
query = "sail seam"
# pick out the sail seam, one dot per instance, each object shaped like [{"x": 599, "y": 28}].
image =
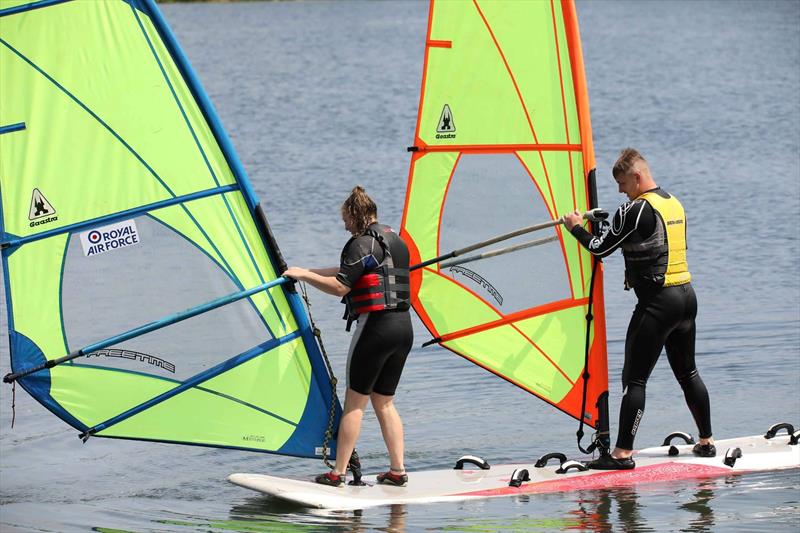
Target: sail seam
[
  {"x": 203, "y": 154},
  {"x": 508, "y": 69},
  {"x": 553, "y": 215},
  {"x": 515, "y": 317},
  {"x": 219, "y": 265},
  {"x": 444, "y": 202},
  {"x": 228, "y": 151},
  {"x": 247, "y": 404},
  {"x": 424, "y": 73},
  {"x": 513, "y": 382},
  {"x": 124, "y": 143},
  {"x": 566, "y": 132},
  {"x": 91, "y": 113},
  {"x": 178, "y": 103},
  {"x": 544, "y": 354},
  {"x": 522, "y": 103},
  {"x": 192, "y": 383},
  {"x": 509, "y": 320}
]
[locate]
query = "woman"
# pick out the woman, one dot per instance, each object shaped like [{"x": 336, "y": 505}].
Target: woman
[{"x": 373, "y": 279}]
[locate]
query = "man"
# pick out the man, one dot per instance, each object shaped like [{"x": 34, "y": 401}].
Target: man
[{"x": 651, "y": 230}]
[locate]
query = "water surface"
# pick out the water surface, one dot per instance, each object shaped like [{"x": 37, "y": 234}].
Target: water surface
[{"x": 319, "y": 96}]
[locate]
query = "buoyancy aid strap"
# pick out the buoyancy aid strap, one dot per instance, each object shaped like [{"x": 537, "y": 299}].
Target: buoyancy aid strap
[
  {"x": 366, "y": 282},
  {"x": 674, "y": 218},
  {"x": 653, "y": 251}
]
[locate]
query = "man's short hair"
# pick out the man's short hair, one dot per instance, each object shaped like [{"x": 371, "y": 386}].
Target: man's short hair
[{"x": 626, "y": 162}]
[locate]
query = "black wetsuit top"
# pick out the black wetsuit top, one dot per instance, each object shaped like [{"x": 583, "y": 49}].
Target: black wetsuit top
[
  {"x": 382, "y": 339},
  {"x": 633, "y": 224},
  {"x": 663, "y": 317}
]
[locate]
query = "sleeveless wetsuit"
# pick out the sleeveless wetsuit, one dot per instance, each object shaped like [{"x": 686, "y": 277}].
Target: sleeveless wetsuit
[
  {"x": 383, "y": 339},
  {"x": 666, "y": 309}
]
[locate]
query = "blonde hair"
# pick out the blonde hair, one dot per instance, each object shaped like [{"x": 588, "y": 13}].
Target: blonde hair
[
  {"x": 359, "y": 209},
  {"x": 626, "y": 162}
]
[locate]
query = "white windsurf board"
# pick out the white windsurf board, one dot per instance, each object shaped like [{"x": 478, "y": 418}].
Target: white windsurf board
[{"x": 652, "y": 465}]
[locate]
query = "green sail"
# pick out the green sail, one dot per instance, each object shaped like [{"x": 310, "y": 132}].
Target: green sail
[{"x": 123, "y": 202}]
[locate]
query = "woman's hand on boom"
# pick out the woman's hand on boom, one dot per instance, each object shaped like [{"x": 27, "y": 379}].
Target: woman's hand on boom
[{"x": 296, "y": 273}]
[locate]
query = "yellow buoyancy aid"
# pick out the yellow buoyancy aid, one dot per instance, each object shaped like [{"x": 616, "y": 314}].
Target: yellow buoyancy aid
[{"x": 672, "y": 215}]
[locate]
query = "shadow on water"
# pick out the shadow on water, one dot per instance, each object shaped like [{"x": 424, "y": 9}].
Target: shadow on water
[
  {"x": 606, "y": 510},
  {"x": 624, "y": 508},
  {"x": 700, "y": 506},
  {"x": 704, "y": 519},
  {"x": 272, "y": 514}
]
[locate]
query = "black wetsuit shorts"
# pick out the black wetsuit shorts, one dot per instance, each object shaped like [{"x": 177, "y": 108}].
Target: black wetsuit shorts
[{"x": 378, "y": 351}]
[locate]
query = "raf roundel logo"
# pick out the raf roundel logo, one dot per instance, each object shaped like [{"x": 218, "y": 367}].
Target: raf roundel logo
[{"x": 108, "y": 238}]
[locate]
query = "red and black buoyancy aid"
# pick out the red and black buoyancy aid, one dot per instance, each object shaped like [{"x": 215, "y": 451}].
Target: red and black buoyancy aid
[{"x": 385, "y": 287}]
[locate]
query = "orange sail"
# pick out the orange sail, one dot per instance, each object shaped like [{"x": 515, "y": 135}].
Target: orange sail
[{"x": 503, "y": 140}]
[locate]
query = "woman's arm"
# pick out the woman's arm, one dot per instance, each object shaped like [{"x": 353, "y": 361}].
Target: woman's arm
[
  {"x": 326, "y": 283},
  {"x": 329, "y": 271}
]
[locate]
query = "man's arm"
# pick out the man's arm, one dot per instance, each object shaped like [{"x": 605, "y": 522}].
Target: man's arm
[{"x": 625, "y": 221}]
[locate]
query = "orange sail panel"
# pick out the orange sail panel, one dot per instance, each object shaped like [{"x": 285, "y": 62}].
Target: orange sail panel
[{"x": 503, "y": 141}]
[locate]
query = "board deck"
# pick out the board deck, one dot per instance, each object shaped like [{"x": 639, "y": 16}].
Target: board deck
[{"x": 652, "y": 465}]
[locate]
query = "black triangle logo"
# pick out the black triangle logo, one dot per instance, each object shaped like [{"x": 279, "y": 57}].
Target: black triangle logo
[
  {"x": 446, "y": 122},
  {"x": 40, "y": 207}
]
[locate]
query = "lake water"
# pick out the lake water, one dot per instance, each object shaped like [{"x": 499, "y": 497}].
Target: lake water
[{"x": 320, "y": 96}]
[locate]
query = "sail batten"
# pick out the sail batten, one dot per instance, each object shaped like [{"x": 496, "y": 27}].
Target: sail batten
[
  {"x": 502, "y": 141},
  {"x": 123, "y": 215},
  {"x": 528, "y": 313},
  {"x": 499, "y": 148}
]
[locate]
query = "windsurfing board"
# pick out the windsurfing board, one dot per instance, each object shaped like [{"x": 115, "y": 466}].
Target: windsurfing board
[{"x": 756, "y": 453}]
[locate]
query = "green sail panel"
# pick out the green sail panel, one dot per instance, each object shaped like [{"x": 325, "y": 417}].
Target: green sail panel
[
  {"x": 503, "y": 141},
  {"x": 123, "y": 205}
]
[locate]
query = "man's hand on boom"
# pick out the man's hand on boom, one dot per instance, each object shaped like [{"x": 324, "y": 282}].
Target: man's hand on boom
[{"x": 572, "y": 219}]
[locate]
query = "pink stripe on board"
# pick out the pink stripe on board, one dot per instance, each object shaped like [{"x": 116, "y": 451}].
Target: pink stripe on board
[{"x": 668, "y": 471}]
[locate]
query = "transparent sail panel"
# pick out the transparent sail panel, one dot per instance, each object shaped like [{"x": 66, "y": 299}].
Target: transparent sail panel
[
  {"x": 158, "y": 273},
  {"x": 490, "y": 195}
]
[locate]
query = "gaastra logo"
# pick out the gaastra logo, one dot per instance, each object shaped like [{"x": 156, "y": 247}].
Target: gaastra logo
[
  {"x": 446, "y": 129},
  {"x": 111, "y": 237},
  {"x": 41, "y": 211}
]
